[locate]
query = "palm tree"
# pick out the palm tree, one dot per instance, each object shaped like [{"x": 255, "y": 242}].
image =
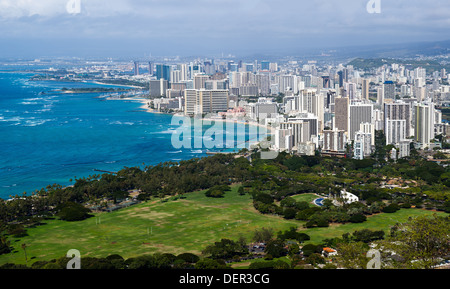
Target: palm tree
[{"x": 24, "y": 246}]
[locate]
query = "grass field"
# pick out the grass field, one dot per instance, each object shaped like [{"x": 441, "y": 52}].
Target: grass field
[
  {"x": 177, "y": 226},
  {"x": 309, "y": 198}
]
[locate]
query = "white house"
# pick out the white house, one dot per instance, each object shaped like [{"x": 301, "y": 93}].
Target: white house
[{"x": 348, "y": 197}]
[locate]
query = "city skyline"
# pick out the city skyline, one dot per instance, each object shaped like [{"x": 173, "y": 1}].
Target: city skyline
[{"x": 139, "y": 28}]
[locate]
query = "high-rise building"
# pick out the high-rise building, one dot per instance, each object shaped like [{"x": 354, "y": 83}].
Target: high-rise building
[
  {"x": 158, "y": 88},
  {"x": 175, "y": 76},
  {"x": 265, "y": 65},
  {"x": 262, "y": 81},
  {"x": 265, "y": 110},
  {"x": 200, "y": 80},
  {"x": 395, "y": 130},
  {"x": 399, "y": 111},
  {"x": 368, "y": 128},
  {"x": 299, "y": 131},
  {"x": 350, "y": 89},
  {"x": 184, "y": 72},
  {"x": 362, "y": 146},
  {"x": 309, "y": 118},
  {"x": 163, "y": 71},
  {"x": 273, "y": 67},
  {"x": 341, "y": 113},
  {"x": 283, "y": 139},
  {"x": 200, "y": 101},
  {"x": 424, "y": 119},
  {"x": 150, "y": 68},
  {"x": 136, "y": 68},
  {"x": 360, "y": 113},
  {"x": 380, "y": 95},
  {"x": 341, "y": 78},
  {"x": 365, "y": 89},
  {"x": 334, "y": 140},
  {"x": 389, "y": 90},
  {"x": 314, "y": 103},
  {"x": 326, "y": 81}
]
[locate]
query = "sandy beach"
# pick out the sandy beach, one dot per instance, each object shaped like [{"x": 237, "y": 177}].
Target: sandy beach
[
  {"x": 145, "y": 106},
  {"x": 251, "y": 143}
]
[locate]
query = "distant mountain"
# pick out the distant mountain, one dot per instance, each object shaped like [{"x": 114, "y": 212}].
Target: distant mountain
[
  {"x": 345, "y": 54},
  {"x": 400, "y": 51},
  {"x": 370, "y": 63}
]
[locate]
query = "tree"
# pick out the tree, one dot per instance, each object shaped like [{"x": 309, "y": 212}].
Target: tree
[
  {"x": 24, "y": 247},
  {"x": 225, "y": 249},
  {"x": 208, "y": 264},
  {"x": 309, "y": 249},
  {"x": 217, "y": 191},
  {"x": 71, "y": 211},
  {"x": 263, "y": 235},
  {"x": 420, "y": 242},
  {"x": 315, "y": 259},
  {"x": 289, "y": 213},
  {"x": 392, "y": 208},
  {"x": 367, "y": 236},
  {"x": 4, "y": 245},
  {"x": 188, "y": 257},
  {"x": 358, "y": 218},
  {"x": 276, "y": 248},
  {"x": 293, "y": 250},
  {"x": 317, "y": 221},
  {"x": 352, "y": 255}
]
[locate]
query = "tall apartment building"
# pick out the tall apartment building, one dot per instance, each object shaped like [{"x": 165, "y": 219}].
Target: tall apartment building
[
  {"x": 334, "y": 140},
  {"x": 358, "y": 114},
  {"x": 200, "y": 80},
  {"x": 365, "y": 89},
  {"x": 424, "y": 119},
  {"x": 313, "y": 102},
  {"x": 389, "y": 90},
  {"x": 341, "y": 113},
  {"x": 158, "y": 88},
  {"x": 163, "y": 71},
  {"x": 136, "y": 68},
  {"x": 200, "y": 101},
  {"x": 299, "y": 131},
  {"x": 398, "y": 111},
  {"x": 395, "y": 131},
  {"x": 362, "y": 146}
]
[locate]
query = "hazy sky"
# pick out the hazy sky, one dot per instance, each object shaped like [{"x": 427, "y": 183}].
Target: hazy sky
[{"x": 31, "y": 28}]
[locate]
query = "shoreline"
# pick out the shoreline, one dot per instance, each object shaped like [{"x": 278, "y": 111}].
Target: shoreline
[
  {"x": 145, "y": 107},
  {"x": 269, "y": 129}
]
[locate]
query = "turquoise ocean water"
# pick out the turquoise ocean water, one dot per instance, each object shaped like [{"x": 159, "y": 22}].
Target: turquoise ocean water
[{"x": 51, "y": 138}]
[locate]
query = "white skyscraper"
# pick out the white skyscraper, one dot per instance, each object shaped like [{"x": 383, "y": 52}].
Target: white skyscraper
[
  {"x": 395, "y": 131},
  {"x": 399, "y": 111},
  {"x": 424, "y": 119},
  {"x": 313, "y": 102},
  {"x": 362, "y": 146}
]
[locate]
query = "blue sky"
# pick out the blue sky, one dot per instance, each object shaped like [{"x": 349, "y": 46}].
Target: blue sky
[{"x": 186, "y": 27}]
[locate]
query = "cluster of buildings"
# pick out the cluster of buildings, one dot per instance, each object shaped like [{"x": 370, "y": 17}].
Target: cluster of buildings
[{"x": 334, "y": 109}]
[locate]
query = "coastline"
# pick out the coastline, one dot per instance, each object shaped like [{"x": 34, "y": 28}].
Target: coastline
[
  {"x": 269, "y": 129},
  {"x": 145, "y": 107},
  {"x": 112, "y": 84}
]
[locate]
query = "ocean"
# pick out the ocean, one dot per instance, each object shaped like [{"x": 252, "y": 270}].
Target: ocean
[{"x": 53, "y": 138}]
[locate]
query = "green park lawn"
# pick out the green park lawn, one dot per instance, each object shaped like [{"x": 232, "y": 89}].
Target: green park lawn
[
  {"x": 309, "y": 198},
  {"x": 175, "y": 226}
]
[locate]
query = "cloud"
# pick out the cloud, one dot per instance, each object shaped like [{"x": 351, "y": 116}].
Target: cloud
[
  {"x": 227, "y": 23},
  {"x": 28, "y": 8}
]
